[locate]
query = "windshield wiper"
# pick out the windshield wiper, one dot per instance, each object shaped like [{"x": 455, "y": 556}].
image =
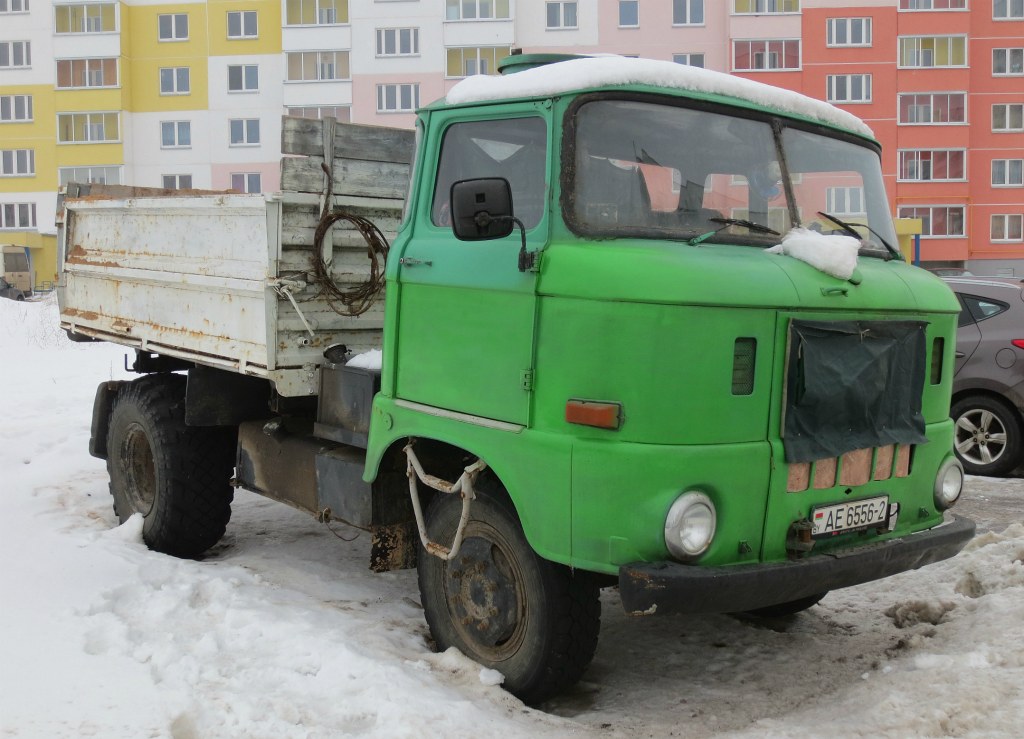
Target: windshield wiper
[
  {"x": 849, "y": 228},
  {"x": 726, "y": 222}
]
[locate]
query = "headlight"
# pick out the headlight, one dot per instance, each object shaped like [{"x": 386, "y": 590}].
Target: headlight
[
  {"x": 948, "y": 483},
  {"x": 690, "y": 525}
]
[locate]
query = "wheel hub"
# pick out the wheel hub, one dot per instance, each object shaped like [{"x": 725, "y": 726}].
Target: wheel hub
[
  {"x": 483, "y": 594},
  {"x": 981, "y": 438}
]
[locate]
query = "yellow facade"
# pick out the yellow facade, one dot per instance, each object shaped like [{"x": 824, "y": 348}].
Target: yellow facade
[
  {"x": 38, "y": 135},
  {"x": 268, "y": 39},
  {"x": 144, "y": 55}
]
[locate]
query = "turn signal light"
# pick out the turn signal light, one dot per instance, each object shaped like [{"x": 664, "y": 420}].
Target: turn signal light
[{"x": 599, "y": 414}]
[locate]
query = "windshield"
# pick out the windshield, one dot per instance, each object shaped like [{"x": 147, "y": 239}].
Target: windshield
[{"x": 660, "y": 171}]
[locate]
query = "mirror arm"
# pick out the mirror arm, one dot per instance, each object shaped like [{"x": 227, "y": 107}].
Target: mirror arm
[{"x": 527, "y": 259}]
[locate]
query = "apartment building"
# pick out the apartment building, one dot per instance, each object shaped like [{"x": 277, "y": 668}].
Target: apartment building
[{"x": 190, "y": 93}]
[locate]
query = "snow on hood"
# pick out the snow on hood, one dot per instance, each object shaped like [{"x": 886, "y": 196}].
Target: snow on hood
[
  {"x": 603, "y": 71},
  {"x": 834, "y": 255}
]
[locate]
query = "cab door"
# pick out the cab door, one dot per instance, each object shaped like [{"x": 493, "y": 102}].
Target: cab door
[{"x": 466, "y": 313}]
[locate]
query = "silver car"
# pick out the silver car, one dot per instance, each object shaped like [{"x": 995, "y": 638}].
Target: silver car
[{"x": 988, "y": 382}]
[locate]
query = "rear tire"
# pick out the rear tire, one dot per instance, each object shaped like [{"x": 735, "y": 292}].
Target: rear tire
[
  {"x": 501, "y": 605},
  {"x": 176, "y": 476},
  {"x": 987, "y": 435}
]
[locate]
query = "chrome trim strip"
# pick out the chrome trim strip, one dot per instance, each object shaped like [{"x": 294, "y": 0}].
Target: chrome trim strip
[{"x": 489, "y": 423}]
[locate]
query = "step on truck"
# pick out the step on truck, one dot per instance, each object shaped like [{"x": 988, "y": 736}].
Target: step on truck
[{"x": 596, "y": 369}]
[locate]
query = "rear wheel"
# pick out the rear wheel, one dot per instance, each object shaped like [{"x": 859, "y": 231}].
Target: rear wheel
[
  {"x": 500, "y": 604},
  {"x": 177, "y": 477},
  {"x": 987, "y": 435}
]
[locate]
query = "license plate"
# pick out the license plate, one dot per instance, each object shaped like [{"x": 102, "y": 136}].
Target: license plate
[{"x": 857, "y": 514}]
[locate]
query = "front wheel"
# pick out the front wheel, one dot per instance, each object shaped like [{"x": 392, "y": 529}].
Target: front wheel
[
  {"x": 987, "y": 435},
  {"x": 500, "y": 604}
]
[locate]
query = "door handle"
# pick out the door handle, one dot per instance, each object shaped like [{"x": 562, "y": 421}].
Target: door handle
[
  {"x": 960, "y": 355},
  {"x": 410, "y": 262}
]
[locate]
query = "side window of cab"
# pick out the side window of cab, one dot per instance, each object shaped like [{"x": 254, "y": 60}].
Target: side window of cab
[{"x": 514, "y": 148}]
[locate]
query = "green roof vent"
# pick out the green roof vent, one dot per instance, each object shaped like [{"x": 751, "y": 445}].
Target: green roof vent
[{"x": 520, "y": 61}]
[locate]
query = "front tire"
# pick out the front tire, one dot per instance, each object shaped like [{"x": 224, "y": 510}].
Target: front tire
[
  {"x": 176, "y": 476},
  {"x": 987, "y": 435},
  {"x": 501, "y": 605}
]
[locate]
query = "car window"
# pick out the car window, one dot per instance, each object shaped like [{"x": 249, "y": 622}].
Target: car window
[{"x": 982, "y": 308}]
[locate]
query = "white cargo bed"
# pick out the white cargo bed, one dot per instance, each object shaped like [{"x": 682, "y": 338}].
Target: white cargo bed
[{"x": 207, "y": 277}]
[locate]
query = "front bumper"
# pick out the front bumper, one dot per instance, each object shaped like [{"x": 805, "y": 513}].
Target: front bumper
[{"x": 669, "y": 587}]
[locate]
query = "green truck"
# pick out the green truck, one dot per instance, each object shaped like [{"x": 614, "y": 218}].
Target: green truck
[{"x": 596, "y": 370}]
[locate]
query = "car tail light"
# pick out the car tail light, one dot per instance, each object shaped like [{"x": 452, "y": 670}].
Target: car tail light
[{"x": 1019, "y": 343}]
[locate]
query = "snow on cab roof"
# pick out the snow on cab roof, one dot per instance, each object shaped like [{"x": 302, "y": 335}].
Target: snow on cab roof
[{"x": 604, "y": 71}]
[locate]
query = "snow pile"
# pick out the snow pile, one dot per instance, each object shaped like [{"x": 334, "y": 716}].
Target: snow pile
[
  {"x": 835, "y": 255},
  {"x": 608, "y": 71},
  {"x": 367, "y": 360}
]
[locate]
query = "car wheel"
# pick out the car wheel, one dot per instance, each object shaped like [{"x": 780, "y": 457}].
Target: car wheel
[
  {"x": 987, "y": 435},
  {"x": 534, "y": 621}
]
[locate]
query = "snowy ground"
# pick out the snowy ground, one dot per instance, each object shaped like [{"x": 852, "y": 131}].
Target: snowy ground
[{"x": 282, "y": 631}]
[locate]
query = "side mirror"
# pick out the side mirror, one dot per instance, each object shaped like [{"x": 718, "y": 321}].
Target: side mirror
[{"x": 482, "y": 209}]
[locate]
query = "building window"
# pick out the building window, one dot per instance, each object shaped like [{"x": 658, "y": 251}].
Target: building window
[
  {"x": 245, "y": 131},
  {"x": 1008, "y": 227},
  {"x": 848, "y": 31},
  {"x": 691, "y": 60},
  {"x": 844, "y": 200},
  {"x": 475, "y": 60},
  {"x": 1008, "y": 62},
  {"x": 173, "y": 26},
  {"x": 177, "y": 181},
  {"x": 341, "y": 113},
  {"x": 935, "y": 108},
  {"x": 317, "y": 66},
  {"x": 17, "y": 162},
  {"x": 398, "y": 98},
  {"x": 398, "y": 41},
  {"x": 470, "y": 10},
  {"x": 766, "y": 6},
  {"x": 1008, "y": 117},
  {"x": 15, "y": 54},
  {"x": 15, "y": 108},
  {"x": 72, "y": 73},
  {"x": 933, "y": 51},
  {"x": 175, "y": 135},
  {"x": 931, "y": 165},
  {"x": 246, "y": 182},
  {"x": 242, "y": 24},
  {"x": 629, "y": 13},
  {"x": 756, "y": 56},
  {"x": 17, "y": 216},
  {"x": 561, "y": 15},
  {"x": 110, "y": 175},
  {"x": 243, "y": 77},
  {"x": 174, "y": 81},
  {"x": 933, "y": 4},
  {"x": 937, "y": 220},
  {"x": 1003, "y": 10},
  {"x": 687, "y": 12},
  {"x": 85, "y": 18},
  {"x": 87, "y": 128},
  {"x": 316, "y": 12},
  {"x": 1007, "y": 172},
  {"x": 849, "y": 88},
  {"x": 13, "y": 6}
]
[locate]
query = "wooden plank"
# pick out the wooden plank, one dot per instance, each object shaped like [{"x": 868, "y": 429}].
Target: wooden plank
[
  {"x": 304, "y": 136},
  {"x": 856, "y": 467},
  {"x": 799, "y": 477},
  {"x": 825, "y": 473},
  {"x": 351, "y": 177}
]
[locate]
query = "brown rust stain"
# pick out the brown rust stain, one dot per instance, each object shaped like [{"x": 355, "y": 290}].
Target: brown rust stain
[{"x": 85, "y": 315}]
